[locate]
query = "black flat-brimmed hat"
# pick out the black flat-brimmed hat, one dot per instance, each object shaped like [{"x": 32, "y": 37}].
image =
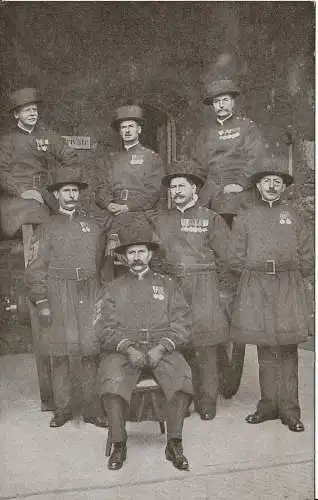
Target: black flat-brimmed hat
[
  {"x": 24, "y": 96},
  {"x": 135, "y": 230},
  {"x": 67, "y": 175},
  {"x": 219, "y": 87},
  {"x": 129, "y": 112},
  {"x": 183, "y": 168},
  {"x": 273, "y": 166}
]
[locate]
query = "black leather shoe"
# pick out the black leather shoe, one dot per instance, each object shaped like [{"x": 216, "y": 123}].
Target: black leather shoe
[
  {"x": 258, "y": 418},
  {"x": 174, "y": 453},
  {"x": 118, "y": 456},
  {"x": 98, "y": 421},
  {"x": 60, "y": 418},
  {"x": 293, "y": 423}
]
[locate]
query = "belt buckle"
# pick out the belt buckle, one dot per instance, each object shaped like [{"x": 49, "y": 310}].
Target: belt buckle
[
  {"x": 77, "y": 270},
  {"x": 124, "y": 194},
  {"x": 270, "y": 267}
]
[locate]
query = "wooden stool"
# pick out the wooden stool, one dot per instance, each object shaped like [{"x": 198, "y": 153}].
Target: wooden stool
[{"x": 147, "y": 403}]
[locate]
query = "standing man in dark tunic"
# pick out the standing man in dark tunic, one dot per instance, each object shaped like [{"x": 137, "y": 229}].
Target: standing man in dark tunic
[
  {"x": 228, "y": 151},
  {"x": 191, "y": 237},
  {"x": 133, "y": 177},
  {"x": 142, "y": 320},
  {"x": 29, "y": 154},
  {"x": 274, "y": 254},
  {"x": 61, "y": 276}
]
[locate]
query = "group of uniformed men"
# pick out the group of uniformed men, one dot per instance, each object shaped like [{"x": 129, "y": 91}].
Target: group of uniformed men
[{"x": 95, "y": 337}]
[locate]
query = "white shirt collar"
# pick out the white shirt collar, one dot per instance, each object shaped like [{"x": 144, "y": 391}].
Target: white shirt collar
[
  {"x": 67, "y": 212},
  {"x": 270, "y": 202},
  {"x": 188, "y": 205},
  {"x": 129, "y": 146},
  {"x": 140, "y": 275},
  {"x": 21, "y": 126},
  {"x": 220, "y": 121}
]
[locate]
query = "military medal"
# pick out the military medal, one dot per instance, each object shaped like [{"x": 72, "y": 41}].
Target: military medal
[
  {"x": 85, "y": 227},
  {"x": 158, "y": 292},
  {"x": 137, "y": 159},
  {"x": 194, "y": 225},
  {"x": 42, "y": 144},
  {"x": 284, "y": 218}
]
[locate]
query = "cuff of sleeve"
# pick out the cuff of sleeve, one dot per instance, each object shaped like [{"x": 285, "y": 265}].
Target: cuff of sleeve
[
  {"x": 243, "y": 181},
  {"x": 168, "y": 344},
  {"x": 124, "y": 345},
  {"x": 41, "y": 301}
]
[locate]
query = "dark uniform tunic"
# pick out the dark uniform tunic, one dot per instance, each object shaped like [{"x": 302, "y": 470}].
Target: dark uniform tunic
[
  {"x": 27, "y": 161},
  {"x": 62, "y": 269},
  {"x": 132, "y": 179},
  {"x": 143, "y": 313},
  {"x": 191, "y": 241},
  {"x": 274, "y": 252},
  {"x": 228, "y": 153}
]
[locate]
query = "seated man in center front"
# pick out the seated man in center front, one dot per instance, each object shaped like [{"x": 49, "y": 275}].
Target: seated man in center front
[{"x": 142, "y": 319}]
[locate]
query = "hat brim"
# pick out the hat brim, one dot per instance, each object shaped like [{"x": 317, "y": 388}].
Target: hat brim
[
  {"x": 58, "y": 185},
  {"x": 151, "y": 244},
  {"x": 27, "y": 103},
  {"x": 116, "y": 123},
  {"x": 194, "y": 178},
  {"x": 208, "y": 99},
  {"x": 287, "y": 178}
]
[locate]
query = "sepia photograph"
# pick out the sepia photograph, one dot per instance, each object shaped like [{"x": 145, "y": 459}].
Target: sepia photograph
[{"x": 157, "y": 250}]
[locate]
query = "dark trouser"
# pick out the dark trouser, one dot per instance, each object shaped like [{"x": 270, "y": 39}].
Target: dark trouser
[
  {"x": 43, "y": 366},
  {"x": 278, "y": 378},
  {"x": 203, "y": 364},
  {"x": 75, "y": 385},
  {"x": 117, "y": 410}
]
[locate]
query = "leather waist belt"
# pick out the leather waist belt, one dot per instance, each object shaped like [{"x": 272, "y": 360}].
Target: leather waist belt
[
  {"x": 125, "y": 194},
  {"x": 272, "y": 266},
  {"x": 189, "y": 268},
  {"x": 72, "y": 273}
]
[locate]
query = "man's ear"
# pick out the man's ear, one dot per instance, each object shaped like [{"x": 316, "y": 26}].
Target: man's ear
[
  {"x": 283, "y": 188},
  {"x": 16, "y": 115},
  {"x": 56, "y": 194},
  {"x": 258, "y": 185},
  {"x": 150, "y": 254},
  {"x": 139, "y": 129}
]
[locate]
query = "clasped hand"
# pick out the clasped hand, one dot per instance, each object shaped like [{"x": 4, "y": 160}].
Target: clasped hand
[
  {"x": 117, "y": 209},
  {"x": 232, "y": 188},
  {"x": 138, "y": 359}
]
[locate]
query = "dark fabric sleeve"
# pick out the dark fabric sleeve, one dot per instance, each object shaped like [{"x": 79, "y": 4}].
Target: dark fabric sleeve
[
  {"x": 220, "y": 237},
  {"x": 103, "y": 192},
  {"x": 180, "y": 318},
  {"x": 238, "y": 244},
  {"x": 7, "y": 182},
  {"x": 37, "y": 268},
  {"x": 305, "y": 248},
  {"x": 255, "y": 152},
  {"x": 61, "y": 152},
  {"x": 106, "y": 321}
]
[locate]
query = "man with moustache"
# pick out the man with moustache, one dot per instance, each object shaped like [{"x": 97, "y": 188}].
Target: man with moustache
[
  {"x": 228, "y": 150},
  {"x": 142, "y": 320},
  {"x": 61, "y": 277},
  {"x": 29, "y": 153},
  {"x": 133, "y": 177},
  {"x": 273, "y": 253},
  {"x": 191, "y": 237}
]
